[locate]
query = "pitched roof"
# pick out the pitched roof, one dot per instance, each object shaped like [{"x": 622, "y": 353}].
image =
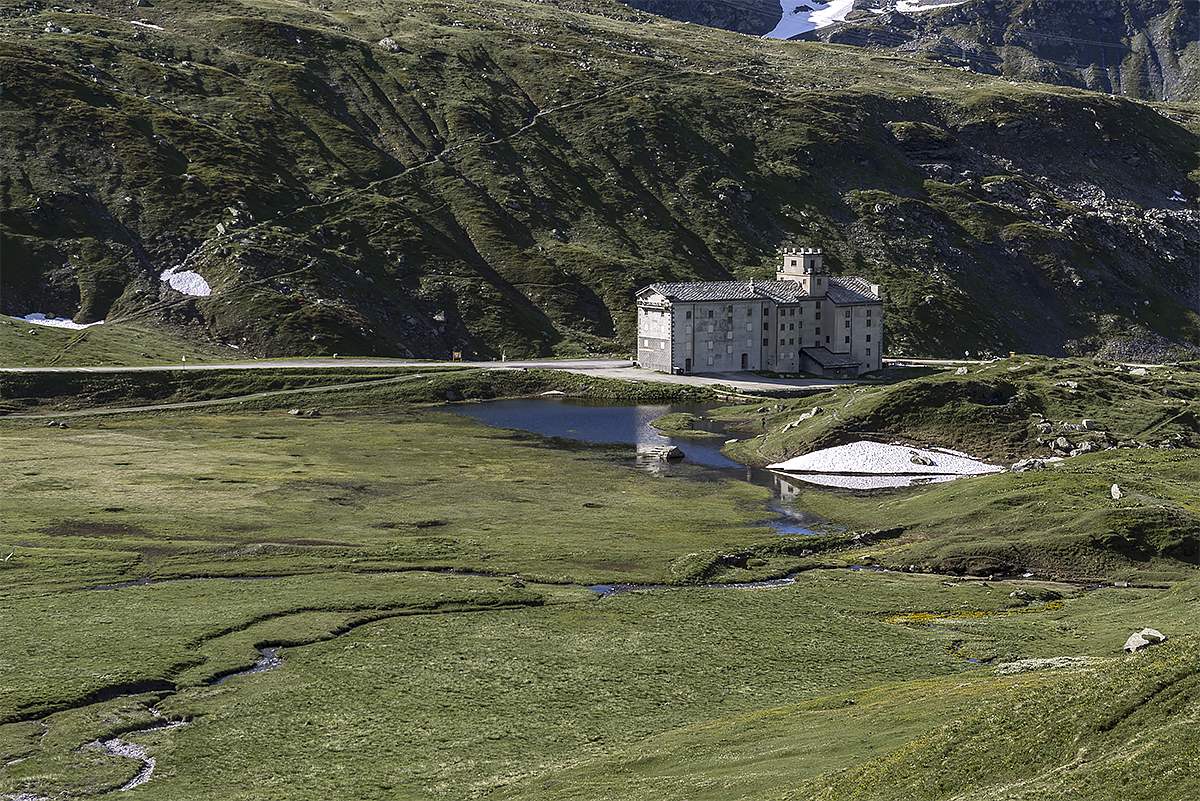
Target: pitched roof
[
  {"x": 829, "y": 360},
  {"x": 842, "y": 290},
  {"x": 850, "y": 289}
]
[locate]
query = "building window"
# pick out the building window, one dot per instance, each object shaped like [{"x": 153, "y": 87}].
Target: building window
[
  {"x": 791, "y": 326},
  {"x": 729, "y": 348},
  {"x": 766, "y": 311},
  {"x": 827, "y": 339},
  {"x": 662, "y": 345},
  {"x": 847, "y": 340},
  {"x": 729, "y": 309},
  {"x": 765, "y": 342},
  {"x": 766, "y": 326},
  {"x": 847, "y": 313},
  {"x": 749, "y": 343},
  {"x": 710, "y": 344},
  {"x": 818, "y": 331},
  {"x": 791, "y": 342},
  {"x": 818, "y": 315},
  {"x": 749, "y": 311},
  {"x": 793, "y": 261},
  {"x": 868, "y": 311},
  {"x": 710, "y": 313},
  {"x": 729, "y": 335},
  {"x": 817, "y": 344},
  {"x": 868, "y": 337},
  {"x": 847, "y": 324},
  {"x": 801, "y": 311},
  {"x": 710, "y": 361},
  {"x": 749, "y": 326},
  {"x": 868, "y": 351},
  {"x": 783, "y": 326},
  {"x": 868, "y": 322},
  {"x": 687, "y": 315}
]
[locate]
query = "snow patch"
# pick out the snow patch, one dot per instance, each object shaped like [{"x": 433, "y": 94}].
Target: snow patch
[
  {"x": 876, "y": 459},
  {"x": 149, "y": 25},
  {"x": 917, "y": 6},
  {"x": 37, "y": 318},
  {"x": 189, "y": 282},
  {"x": 867, "y": 482},
  {"x": 801, "y": 16}
]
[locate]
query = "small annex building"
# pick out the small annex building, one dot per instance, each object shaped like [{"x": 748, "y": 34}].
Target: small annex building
[{"x": 804, "y": 321}]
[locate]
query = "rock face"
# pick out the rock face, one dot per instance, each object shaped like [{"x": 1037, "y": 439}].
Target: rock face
[
  {"x": 744, "y": 16},
  {"x": 1138, "y": 48},
  {"x": 1144, "y": 639}
]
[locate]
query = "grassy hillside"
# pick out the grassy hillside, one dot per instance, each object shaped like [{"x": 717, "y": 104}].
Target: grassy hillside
[{"x": 498, "y": 178}]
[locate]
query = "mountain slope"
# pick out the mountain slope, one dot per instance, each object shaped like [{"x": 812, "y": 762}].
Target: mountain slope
[
  {"x": 1148, "y": 49},
  {"x": 501, "y": 178}
]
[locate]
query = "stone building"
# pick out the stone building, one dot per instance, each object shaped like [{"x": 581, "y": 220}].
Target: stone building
[{"x": 804, "y": 321}]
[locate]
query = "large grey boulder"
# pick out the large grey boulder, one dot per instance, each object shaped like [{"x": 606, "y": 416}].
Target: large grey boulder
[{"x": 1144, "y": 639}]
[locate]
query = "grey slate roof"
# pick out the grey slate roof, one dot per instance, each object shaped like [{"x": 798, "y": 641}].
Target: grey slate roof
[
  {"x": 850, "y": 289},
  {"x": 842, "y": 290},
  {"x": 830, "y": 360}
]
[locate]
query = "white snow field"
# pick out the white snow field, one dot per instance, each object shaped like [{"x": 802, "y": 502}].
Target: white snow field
[
  {"x": 37, "y": 318},
  {"x": 801, "y": 16},
  {"x": 874, "y": 465},
  {"x": 189, "y": 282}
]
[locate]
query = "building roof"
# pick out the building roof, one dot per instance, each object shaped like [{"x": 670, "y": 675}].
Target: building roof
[
  {"x": 842, "y": 290},
  {"x": 830, "y": 360},
  {"x": 850, "y": 289}
]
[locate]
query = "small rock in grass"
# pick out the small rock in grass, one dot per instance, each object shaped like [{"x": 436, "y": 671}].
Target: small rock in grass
[
  {"x": 1144, "y": 639},
  {"x": 1115, "y": 492},
  {"x": 961, "y": 371}
]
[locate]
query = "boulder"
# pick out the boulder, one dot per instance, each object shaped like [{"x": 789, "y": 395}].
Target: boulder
[
  {"x": 1140, "y": 640},
  {"x": 921, "y": 459},
  {"x": 1088, "y": 425},
  {"x": 1139, "y": 371},
  {"x": 389, "y": 44},
  {"x": 1026, "y": 465},
  {"x": 1062, "y": 444},
  {"x": 961, "y": 371},
  {"x": 1115, "y": 492}
]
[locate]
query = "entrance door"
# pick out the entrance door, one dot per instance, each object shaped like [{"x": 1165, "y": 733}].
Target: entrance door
[
  {"x": 745, "y": 361},
  {"x": 687, "y": 365}
]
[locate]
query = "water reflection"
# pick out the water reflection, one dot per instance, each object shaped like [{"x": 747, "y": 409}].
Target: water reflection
[{"x": 601, "y": 423}]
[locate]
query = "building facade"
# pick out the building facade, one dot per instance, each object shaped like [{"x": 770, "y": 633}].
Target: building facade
[{"x": 803, "y": 321}]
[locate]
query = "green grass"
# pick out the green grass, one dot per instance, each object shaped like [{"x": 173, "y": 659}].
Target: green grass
[
  {"x": 23, "y": 344},
  {"x": 426, "y": 578},
  {"x": 402, "y": 202}
]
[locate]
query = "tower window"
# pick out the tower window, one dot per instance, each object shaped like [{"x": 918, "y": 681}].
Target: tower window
[
  {"x": 710, "y": 313},
  {"x": 868, "y": 337}
]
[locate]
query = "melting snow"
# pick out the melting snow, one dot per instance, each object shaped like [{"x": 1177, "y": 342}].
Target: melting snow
[
  {"x": 911, "y": 6},
  {"x": 796, "y": 20},
  {"x": 37, "y": 318},
  {"x": 149, "y": 25},
  {"x": 801, "y": 16},
  {"x": 189, "y": 282},
  {"x": 873, "y": 465}
]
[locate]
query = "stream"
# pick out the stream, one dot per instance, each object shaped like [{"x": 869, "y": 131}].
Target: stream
[{"x": 630, "y": 425}]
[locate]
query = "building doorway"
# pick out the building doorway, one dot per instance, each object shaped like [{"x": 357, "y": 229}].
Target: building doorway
[
  {"x": 687, "y": 365},
  {"x": 745, "y": 361}
]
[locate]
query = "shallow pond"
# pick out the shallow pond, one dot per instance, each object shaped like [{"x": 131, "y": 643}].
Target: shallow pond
[{"x": 611, "y": 424}]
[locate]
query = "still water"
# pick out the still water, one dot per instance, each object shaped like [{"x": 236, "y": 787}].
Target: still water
[{"x": 610, "y": 424}]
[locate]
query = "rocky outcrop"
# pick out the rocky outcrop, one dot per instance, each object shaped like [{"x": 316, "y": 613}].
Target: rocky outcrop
[
  {"x": 1147, "y": 49},
  {"x": 743, "y": 16},
  {"x": 1143, "y": 639}
]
